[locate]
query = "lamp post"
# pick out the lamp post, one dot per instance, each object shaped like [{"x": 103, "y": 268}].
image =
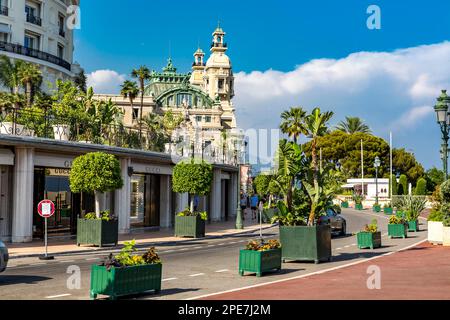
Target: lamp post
[
  {"x": 376, "y": 164},
  {"x": 239, "y": 221},
  {"x": 443, "y": 119}
]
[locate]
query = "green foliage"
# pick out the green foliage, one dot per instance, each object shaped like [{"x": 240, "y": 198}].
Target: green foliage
[
  {"x": 436, "y": 215},
  {"x": 288, "y": 218},
  {"x": 405, "y": 163},
  {"x": 261, "y": 184},
  {"x": 434, "y": 178},
  {"x": 186, "y": 212},
  {"x": 421, "y": 187},
  {"x": 151, "y": 257},
  {"x": 126, "y": 257},
  {"x": 411, "y": 205},
  {"x": 353, "y": 125},
  {"x": 394, "y": 185},
  {"x": 293, "y": 123},
  {"x": 396, "y": 220},
  {"x": 372, "y": 227},
  {"x": 192, "y": 177},
  {"x": 402, "y": 185},
  {"x": 262, "y": 245},
  {"x": 357, "y": 198},
  {"x": 96, "y": 171}
]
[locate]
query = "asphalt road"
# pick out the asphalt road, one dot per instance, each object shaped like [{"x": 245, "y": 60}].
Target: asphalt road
[{"x": 193, "y": 269}]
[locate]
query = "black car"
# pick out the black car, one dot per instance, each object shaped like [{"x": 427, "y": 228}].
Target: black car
[{"x": 335, "y": 220}]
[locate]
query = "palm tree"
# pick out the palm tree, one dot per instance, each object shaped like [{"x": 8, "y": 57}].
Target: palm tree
[
  {"x": 30, "y": 76},
  {"x": 9, "y": 73},
  {"x": 293, "y": 122},
  {"x": 352, "y": 125},
  {"x": 142, "y": 74},
  {"x": 129, "y": 90},
  {"x": 156, "y": 135},
  {"x": 316, "y": 126}
]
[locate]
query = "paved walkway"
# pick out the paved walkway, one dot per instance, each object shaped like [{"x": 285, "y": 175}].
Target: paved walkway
[
  {"x": 144, "y": 238},
  {"x": 422, "y": 272}
]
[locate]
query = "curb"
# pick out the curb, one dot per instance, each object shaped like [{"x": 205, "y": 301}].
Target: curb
[{"x": 138, "y": 246}]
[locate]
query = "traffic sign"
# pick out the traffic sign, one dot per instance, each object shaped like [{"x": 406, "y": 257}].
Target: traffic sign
[{"x": 46, "y": 208}]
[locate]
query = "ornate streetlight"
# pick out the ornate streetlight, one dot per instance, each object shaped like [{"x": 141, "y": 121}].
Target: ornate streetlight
[
  {"x": 443, "y": 119},
  {"x": 238, "y": 154},
  {"x": 376, "y": 164}
]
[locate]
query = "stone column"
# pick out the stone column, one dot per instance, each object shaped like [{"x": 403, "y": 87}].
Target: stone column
[
  {"x": 122, "y": 198},
  {"x": 232, "y": 195},
  {"x": 23, "y": 183},
  {"x": 216, "y": 195},
  {"x": 165, "y": 200}
]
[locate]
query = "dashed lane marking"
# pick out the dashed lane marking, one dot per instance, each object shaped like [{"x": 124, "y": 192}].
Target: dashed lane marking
[
  {"x": 169, "y": 279},
  {"x": 223, "y": 270},
  {"x": 90, "y": 259},
  {"x": 59, "y": 296},
  {"x": 196, "y": 275}
]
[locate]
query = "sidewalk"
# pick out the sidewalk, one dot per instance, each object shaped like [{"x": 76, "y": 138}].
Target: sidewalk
[
  {"x": 143, "y": 239},
  {"x": 422, "y": 272}
]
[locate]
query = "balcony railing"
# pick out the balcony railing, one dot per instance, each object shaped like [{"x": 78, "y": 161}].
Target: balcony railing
[
  {"x": 199, "y": 64},
  {"x": 34, "y": 20},
  {"x": 4, "y": 11},
  {"x": 62, "y": 33},
  {"x": 18, "y": 49},
  {"x": 44, "y": 124}
]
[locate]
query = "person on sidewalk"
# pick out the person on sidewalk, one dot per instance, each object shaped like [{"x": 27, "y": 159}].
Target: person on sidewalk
[
  {"x": 261, "y": 209},
  {"x": 196, "y": 202},
  {"x": 243, "y": 204},
  {"x": 254, "y": 205}
]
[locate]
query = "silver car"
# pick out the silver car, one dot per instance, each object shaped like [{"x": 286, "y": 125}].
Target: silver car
[{"x": 4, "y": 256}]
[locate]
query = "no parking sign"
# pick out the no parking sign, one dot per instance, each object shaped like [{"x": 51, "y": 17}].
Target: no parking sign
[{"x": 46, "y": 208}]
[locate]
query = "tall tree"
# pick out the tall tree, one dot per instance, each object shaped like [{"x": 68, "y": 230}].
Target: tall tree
[
  {"x": 316, "y": 126},
  {"x": 404, "y": 162},
  {"x": 80, "y": 81},
  {"x": 9, "y": 73},
  {"x": 353, "y": 125},
  {"x": 30, "y": 76},
  {"x": 293, "y": 123},
  {"x": 142, "y": 74},
  {"x": 129, "y": 90}
]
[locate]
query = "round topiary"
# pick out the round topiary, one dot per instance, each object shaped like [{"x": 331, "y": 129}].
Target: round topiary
[
  {"x": 192, "y": 177},
  {"x": 445, "y": 191},
  {"x": 96, "y": 172}
]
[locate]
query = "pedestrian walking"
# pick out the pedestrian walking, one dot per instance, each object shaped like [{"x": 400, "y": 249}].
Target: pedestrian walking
[
  {"x": 254, "y": 205},
  {"x": 243, "y": 204}
]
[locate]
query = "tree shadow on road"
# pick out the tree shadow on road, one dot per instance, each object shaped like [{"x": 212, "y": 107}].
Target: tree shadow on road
[
  {"x": 273, "y": 273},
  {"x": 163, "y": 292},
  {"x": 21, "y": 279},
  {"x": 358, "y": 255}
]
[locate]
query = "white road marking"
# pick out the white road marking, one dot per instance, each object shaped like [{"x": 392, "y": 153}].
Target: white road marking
[
  {"x": 233, "y": 242},
  {"x": 59, "y": 296},
  {"x": 169, "y": 279},
  {"x": 196, "y": 247},
  {"x": 90, "y": 259},
  {"x": 210, "y": 245},
  {"x": 37, "y": 264},
  {"x": 354, "y": 244},
  {"x": 182, "y": 249},
  {"x": 308, "y": 274},
  {"x": 221, "y": 244},
  {"x": 65, "y": 261},
  {"x": 348, "y": 246},
  {"x": 196, "y": 274},
  {"x": 242, "y": 240},
  {"x": 167, "y": 251},
  {"x": 223, "y": 270},
  {"x": 339, "y": 248}
]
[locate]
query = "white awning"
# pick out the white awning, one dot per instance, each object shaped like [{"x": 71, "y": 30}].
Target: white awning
[
  {"x": 348, "y": 186},
  {"x": 4, "y": 28},
  {"x": 6, "y": 157}
]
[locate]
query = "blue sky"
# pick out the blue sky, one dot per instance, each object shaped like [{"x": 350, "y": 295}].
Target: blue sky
[{"x": 308, "y": 53}]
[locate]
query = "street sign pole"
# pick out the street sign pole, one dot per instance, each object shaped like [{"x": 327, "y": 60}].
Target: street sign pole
[{"x": 46, "y": 209}]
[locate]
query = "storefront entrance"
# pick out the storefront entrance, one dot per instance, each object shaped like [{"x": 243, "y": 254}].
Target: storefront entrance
[
  {"x": 53, "y": 184},
  {"x": 145, "y": 197}
]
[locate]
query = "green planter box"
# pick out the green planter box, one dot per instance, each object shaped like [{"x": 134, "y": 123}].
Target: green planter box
[
  {"x": 306, "y": 243},
  {"x": 259, "y": 261},
  {"x": 125, "y": 281},
  {"x": 413, "y": 225},
  {"x": 369, "y": 239},
  {"x": 358, "y": 206},
  {"x": 376, "y": 208},
  {"x": 344, "y": 204},
  {"x": 97, "y": 232},
  {"x": 397, "y": 230},
  {"x": 189, "y": 226},
  {"x": 387, "y": 210}
]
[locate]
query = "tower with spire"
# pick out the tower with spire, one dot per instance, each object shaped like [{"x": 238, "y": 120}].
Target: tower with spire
[{"x": 198, "y": 67}]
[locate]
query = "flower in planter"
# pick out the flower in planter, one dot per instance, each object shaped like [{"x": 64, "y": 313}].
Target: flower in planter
[
  {"x": 373, "y": 227},
  {"x": 396, "y": 220},
  {"x": 387, "y": 205},
  {"x": 262, "y": 245},
  {"x": 104, "y": 215},
  {"x": 126, "y": 259},
  {"x": 187, "y": 213}
]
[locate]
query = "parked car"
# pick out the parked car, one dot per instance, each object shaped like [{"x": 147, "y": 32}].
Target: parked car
[
  {"x": 4, "y": 256},
  {"x": 335, "y": 220}
]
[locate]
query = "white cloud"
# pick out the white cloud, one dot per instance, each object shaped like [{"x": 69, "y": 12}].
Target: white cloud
[
  {"x": 383, "y": 88},
  {"x": 105, "y": 81}
]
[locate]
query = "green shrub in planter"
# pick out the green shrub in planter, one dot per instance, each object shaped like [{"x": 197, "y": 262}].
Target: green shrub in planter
[
  {"x": 359, "y": 206},
  {"x": 388, "y": 210},
  {"x": 126, "y": 274},
  {"x": 369, "y": 237},
  {"x": 259, "y": 257},
  {"x": 413, "y": 225},
  {"x": 95, "y": 231},
  {"x": 397, "y": 227},
  {"x": 189, "y": 224},
  {"x": 344, "y": 204},
  {"x": 376, "y": 208}
]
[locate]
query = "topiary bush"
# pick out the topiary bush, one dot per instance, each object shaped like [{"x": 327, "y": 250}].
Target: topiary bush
[
  {"x": 402, "y": 185},
  {"x": 421, "y": 187},
  {"x": 192, "y": 177},
  {"x": 96, "y": 172}
]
